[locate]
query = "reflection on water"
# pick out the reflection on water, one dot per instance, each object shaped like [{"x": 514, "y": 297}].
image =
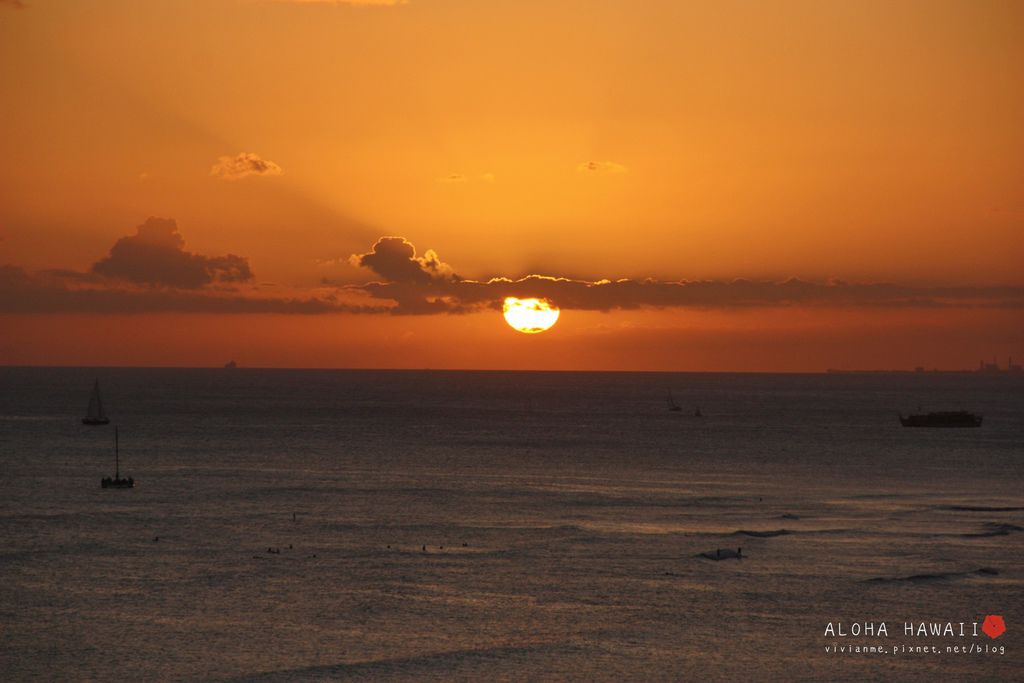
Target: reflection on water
[{"x": 500, "y": 525}]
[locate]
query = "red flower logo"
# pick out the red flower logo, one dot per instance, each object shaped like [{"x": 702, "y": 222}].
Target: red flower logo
[{"x": 994, "y": 626}]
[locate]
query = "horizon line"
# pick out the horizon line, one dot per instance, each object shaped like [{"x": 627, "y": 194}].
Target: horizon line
[{"x": 827, "y": 371}]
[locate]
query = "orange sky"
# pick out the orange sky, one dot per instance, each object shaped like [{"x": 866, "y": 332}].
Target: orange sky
[{"x": 867, "y": 142}]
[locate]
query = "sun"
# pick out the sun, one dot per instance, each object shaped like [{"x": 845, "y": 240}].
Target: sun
[{"x": 530, "y": 316}]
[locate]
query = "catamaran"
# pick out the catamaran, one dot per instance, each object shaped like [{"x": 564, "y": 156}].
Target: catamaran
[
  {"x": 95, "y": 414},
  {"x": 117, "y": 482},
  {"x": 952, "y": 418}
]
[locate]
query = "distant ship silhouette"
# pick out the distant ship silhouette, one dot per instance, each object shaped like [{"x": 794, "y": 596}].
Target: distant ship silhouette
[
  {"x": 672, "y": 405},
  {"x": 94, "y": 415},
  {"x": 955, "y": 418}
]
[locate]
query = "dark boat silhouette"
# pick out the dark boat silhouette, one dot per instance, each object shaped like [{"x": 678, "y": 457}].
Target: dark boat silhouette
[
  {"x": 953, "y": 418},
  {"x": 95, "y": 415},
  {"x": 672, "y": 405},
  {"x": 116, "y": 482}
]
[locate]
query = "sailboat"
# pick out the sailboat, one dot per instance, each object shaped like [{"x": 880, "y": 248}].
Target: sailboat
[
  {"x": 672, "y": 405},
  {"x": 117, "y": 482},
  {"x": 95, "y": 414}
]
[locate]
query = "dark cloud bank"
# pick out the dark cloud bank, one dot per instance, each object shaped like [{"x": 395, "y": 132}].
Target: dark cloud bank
[
  {"x": 419, "y": 285},
  {"x": 151, "y": 271}
]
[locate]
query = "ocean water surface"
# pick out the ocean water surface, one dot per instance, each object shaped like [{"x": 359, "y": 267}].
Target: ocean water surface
[{"x": 505, "y": 526}]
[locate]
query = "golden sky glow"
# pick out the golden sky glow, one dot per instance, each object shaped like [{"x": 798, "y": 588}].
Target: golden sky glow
[{"x": 363, "y": 183}]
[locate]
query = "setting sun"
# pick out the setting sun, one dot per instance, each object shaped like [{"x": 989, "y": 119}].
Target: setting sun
[{"x": 530, "y": 316}]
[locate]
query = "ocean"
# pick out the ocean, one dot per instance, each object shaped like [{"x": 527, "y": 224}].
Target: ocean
[{"x": 508, "y": 526}]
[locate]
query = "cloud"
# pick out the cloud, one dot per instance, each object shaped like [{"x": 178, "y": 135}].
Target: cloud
[
  {"x": 150, "y": 272},
  {"x": 63, "y": 292},
  {"x": 244, "y": 165},
  {"x": 394, "y": 258},
  {"x": 355, "y": 3},
  {"x": 12, "y": 277},
  {"x": 427, "y": 285},
  {"x": 155, "y": 255},
  {"x": 601, "y": 167}
]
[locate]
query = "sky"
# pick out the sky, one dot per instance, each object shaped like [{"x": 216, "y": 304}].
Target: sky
[{"x": 703, "y": 186}]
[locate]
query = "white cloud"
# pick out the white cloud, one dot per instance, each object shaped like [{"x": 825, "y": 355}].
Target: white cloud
[{"x": 244, "y": 165}]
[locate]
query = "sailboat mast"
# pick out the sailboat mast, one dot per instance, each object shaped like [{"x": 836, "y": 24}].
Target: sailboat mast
[{"x": 117, "y": 458}]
